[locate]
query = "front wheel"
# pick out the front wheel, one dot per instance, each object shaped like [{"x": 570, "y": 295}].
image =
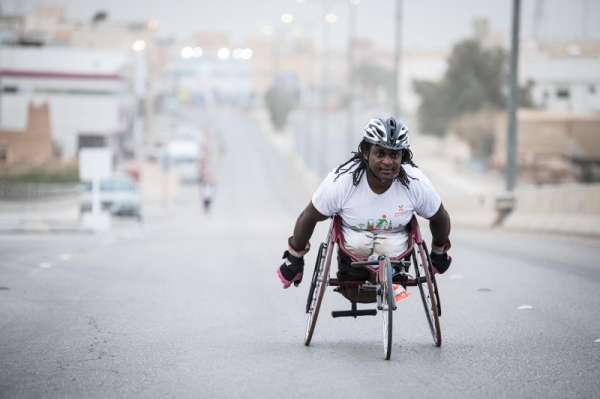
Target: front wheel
[{"x": 388, "y": 303}]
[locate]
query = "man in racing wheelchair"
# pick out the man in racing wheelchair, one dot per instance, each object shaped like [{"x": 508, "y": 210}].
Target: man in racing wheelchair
[{"x": 375, "y": 193}]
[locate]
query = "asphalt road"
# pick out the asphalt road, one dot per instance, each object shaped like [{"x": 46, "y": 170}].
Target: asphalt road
[{"x": 189, "y": 305}]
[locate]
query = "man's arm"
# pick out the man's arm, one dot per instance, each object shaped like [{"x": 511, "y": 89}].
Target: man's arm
[
  {"x": 305, "y": 226},
  {"x": 439, "y": 224},
  {"x": 293, "y": 268}
]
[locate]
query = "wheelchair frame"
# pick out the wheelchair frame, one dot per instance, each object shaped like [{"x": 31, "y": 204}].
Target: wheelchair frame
[{"x": 380, "y": 280}]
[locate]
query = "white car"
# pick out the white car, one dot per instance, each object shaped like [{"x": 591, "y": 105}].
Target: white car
[
  {"x": 184, "y": 156},
  {"x": 120, "y": 195}
]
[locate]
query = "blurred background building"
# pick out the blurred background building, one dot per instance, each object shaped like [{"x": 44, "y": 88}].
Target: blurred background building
[{"x": 109, "y": 82}]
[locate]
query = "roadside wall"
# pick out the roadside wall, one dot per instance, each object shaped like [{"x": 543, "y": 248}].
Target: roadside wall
[{"x": 559, "y": 209}]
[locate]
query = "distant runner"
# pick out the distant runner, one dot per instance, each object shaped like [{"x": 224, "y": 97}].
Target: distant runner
[{"x": 208, "y": 191}]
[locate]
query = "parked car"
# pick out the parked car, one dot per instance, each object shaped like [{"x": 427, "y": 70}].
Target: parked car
[{"x": 120, "y": 195}]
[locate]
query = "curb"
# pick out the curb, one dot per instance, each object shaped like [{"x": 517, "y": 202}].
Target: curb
[{"x": 42, "y": 227}]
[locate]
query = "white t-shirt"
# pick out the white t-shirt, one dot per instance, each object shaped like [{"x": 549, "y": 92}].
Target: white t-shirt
[
  {"x": 208, "y": 191},
  {"x": 363, "y": 210}
]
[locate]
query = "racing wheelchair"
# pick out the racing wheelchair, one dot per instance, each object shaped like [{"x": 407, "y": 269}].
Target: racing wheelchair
[{"x": 384, "y": 273}]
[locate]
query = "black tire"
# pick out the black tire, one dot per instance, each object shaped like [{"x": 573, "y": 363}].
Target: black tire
[
  {"x": 388, "y": 303},
  {"x": 433, "y": 281},
  {"x": 424, "y": 276},
  {"x": 317, "y": 288},
  {"x": 313, "y": 282}
]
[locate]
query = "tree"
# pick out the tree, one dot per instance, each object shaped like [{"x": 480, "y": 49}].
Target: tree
[
  {"x": 475, "y": 79},
  {"x": 373, "y": 79},
  {"x": 279, "y": 103}
]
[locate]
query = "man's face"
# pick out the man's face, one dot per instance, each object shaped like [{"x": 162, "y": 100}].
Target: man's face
[{"x": 383, "y": 162}]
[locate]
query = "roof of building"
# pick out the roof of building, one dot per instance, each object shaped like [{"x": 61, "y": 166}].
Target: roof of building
[{"x": 57, "y": 60}]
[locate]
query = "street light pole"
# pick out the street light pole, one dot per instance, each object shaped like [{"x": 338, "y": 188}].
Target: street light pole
[
  {"x": 397, "y": 59},
  {"x": 324, "y": 90},
  {"x": 511, "y": 145},
  {"x": 351, "y": 36}
]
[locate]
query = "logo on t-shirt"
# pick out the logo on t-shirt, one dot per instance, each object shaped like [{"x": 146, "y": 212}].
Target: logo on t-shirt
[
  {"x": 401, "y": 211},
  {"x": 381, "y": 223}
]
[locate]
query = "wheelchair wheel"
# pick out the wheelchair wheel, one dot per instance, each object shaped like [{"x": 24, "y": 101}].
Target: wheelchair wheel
[
  {"x": 315, "y": 276},
  {"x": 433, "y": 281},
  {"x": 388, "y": 306},
  {"x": 317, "y": 288},
  {"x": 428, "y": 288}
]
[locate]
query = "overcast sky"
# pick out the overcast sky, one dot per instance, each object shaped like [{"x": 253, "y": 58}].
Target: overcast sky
[{"x": 430, "y": 23}]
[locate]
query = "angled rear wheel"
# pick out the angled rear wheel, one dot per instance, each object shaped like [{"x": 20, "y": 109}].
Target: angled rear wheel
[
  {"x": 428, "y": 289},
  {"x": 318, "y": 285}
]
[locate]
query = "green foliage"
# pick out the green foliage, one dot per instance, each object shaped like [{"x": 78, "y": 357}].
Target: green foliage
[
  {"x": 279, "y": 103},
  {"x": 70, "y": 175},
  {"x": 476, "y": 78},
  {"x": 525, "y": 99},
  {"x": 433, "y": 115}
]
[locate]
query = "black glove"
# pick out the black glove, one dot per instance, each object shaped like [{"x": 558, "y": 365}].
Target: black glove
[
  {"x": 440, "y": 260},
  {"x": 292, "y": 269}
]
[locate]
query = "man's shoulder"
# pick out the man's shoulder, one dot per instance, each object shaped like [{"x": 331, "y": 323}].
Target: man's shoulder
[
  {"x": 342, "y": 175},
  {"x": 338, "y": 181},
  {"x": 412, "y": 171}
]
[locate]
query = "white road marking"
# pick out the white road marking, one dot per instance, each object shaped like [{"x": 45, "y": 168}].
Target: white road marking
[{"x": 525, "y": 307}]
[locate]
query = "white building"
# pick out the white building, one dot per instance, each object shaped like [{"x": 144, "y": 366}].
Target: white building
[
  {"x": 567, "y": 80},
  {"x": 89, "y": 92}
]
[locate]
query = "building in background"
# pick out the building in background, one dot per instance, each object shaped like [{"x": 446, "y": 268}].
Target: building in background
[
  {"x": 31, "y": 145},
  {"x": 564, "y": 75},
  {"x": 97, "y": 76},
  {"x": 88, "y": 93}
]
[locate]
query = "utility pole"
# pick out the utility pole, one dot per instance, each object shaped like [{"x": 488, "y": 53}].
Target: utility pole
[
  {"x": 351, "y": 37},
  {"x": 511, "y": 143},
  {"x": 324, "y": 89},
  {"x": 397, "y": 59}
]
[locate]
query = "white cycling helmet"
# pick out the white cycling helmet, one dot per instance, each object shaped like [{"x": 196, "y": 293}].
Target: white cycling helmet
[{"x": 387, "y": 134}]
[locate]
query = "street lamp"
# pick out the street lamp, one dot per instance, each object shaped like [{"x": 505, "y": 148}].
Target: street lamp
[
  {"x": 397, "y": 55},
  {"x": 138, "y": 45},
  {"x": 246, "y": 54},
  {"x": 197, "y": 52},
  {"x": 187, "y": 52},
  {"x": 223, "y": 53}
]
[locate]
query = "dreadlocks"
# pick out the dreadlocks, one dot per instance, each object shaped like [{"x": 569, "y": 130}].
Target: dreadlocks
[{"x": 357, "y": 158}]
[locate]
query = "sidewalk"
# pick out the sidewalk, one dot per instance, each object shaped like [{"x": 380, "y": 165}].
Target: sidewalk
[{"x": 41, "y": 217}]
